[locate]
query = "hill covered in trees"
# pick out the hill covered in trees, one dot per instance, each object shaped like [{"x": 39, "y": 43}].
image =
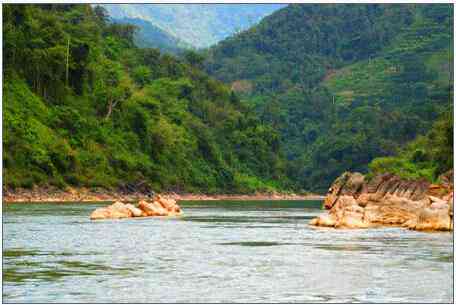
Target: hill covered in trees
[
  {"x": 344, "y": 84},
  {"x": 323, "y": 89},
  {"x": 83, "y": 106}
]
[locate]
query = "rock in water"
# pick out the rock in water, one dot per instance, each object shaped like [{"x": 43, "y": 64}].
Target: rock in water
[
  {"x": 115, "y": 210},
  {"x": 151, "y": 209},
  {"x": 100, "y": 213},
  {"x": 159, "y": 207},
  {"x": 431, "y": 220},
  {"x": 134, "y": 210},
  {"x": 170, "y": 205},
  {"x": 354, "y": 202}
]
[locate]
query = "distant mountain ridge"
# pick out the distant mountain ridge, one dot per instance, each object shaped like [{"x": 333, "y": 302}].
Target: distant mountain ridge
[
  {"x": 151, "y": 36},
  {"x": 198, "y": 25}
]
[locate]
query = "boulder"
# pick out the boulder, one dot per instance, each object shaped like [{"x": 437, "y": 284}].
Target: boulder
[
  {"x": 338, "y": 184},
  {"x": 160, "y": 207},
  {"x": 160, "y": 210},
  {"x": 437, "y": 190},
  {"x": 432, "y": 220},
  {"x": 364, "y": 199},
  {"x": 134, "y": 210},
  {"x": 374, "y": 183},
  {"x": 353, "y": 185},
  {"x": 100, "y": 213},
  {"x": 329, "y": 201},
  {"x": 346, "y": 184},
  {"x": 437, "y": 203},
  {"x": 115, "y": 210},
  {"x": 388, "y": 200},
  {"x": 446, "y": 179},
  {"x": 119, "y": 207},
  {"x": 352, "y": 216},
  {"x": 152, "y": 209},
  {"x": 324, "y": 220},
  {"x": 169, "y": 205},
  {"x": 147, "y": 208},
  {"x": 450, "y": 203}
]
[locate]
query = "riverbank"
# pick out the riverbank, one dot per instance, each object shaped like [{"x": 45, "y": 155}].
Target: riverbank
[{"x": 86, "y": 195}]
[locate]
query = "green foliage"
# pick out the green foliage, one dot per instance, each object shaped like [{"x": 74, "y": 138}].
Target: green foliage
[
  {"x": 426, "y": 157},
  {"x": 318, "y": 90},
  {"x": 142, "y": 75},
  {"x": 300, "y": 43},
  {"x": 342, "y": 83},
  {"x": 125, "y": 115},
  {"x": 193, "y": 58}
]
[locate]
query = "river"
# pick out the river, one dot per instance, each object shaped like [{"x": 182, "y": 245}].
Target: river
[{"x": 220, "y": 251}]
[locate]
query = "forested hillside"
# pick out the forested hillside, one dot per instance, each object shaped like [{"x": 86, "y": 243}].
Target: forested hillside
[
  {"x": 343, "y": 84},
  {"x": 83, "y": 106},
  {"x": 425, "y": 157},
  {"x": 323, "y": 89}
]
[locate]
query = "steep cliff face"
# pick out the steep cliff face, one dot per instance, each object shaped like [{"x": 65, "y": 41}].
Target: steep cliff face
[{"x": 356, "y": 202}]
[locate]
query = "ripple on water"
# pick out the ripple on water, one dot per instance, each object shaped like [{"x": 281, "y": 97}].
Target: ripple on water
[
  {"x": 241, "y": 252},
  {"x": 50, "y": 271},
  {"x": 254, "y": 243},
  {"x": 19, "y": 252},
  {"x": 345, "y": 247}
]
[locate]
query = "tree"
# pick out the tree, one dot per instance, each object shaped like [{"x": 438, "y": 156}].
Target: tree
[{"x": 194, "y": 59}]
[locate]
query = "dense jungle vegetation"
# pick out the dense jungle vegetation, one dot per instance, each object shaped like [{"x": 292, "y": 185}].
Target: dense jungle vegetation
[
  {"x": 310, "y": 92},
  {"x": 344, "y": 84},
  {"x": 83, "y": 106}
]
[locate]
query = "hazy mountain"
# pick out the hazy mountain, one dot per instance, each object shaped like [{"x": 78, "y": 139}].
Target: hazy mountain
[
  {"x": 199, "y": 25},
  {"x": 151, "y": 36}
]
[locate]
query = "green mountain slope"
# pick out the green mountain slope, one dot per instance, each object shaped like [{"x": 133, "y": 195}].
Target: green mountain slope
[
  {"x": 83, "y": 106},
  {"x": 342, "y": 83},
  {"x": 425, "y": 157},
  {"x": 199, "y": 25}
]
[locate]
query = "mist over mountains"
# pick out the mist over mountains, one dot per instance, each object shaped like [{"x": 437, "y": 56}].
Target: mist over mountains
[{"x": 198, "y": 25}]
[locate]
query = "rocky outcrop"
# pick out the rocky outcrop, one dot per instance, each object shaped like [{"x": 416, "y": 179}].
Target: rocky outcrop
[
  {"x": 356, "y": 202},
  {"x": 158, "y": 207},
  {"x": 115, "y": 210}
]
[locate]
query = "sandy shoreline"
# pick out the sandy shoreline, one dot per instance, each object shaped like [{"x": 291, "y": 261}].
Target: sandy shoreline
[{"x": 84, "y": 195}]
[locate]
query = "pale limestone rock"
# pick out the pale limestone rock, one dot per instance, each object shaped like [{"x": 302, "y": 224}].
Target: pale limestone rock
[
  {"x": 160, "y": 207},
  {"x": 100, "y": 213},
  {"x": 134, "y": 210},
  {"x": 432, "y": 220},
  {"x": 387, "y": 199},
  {"x": 324, "y": 220},
  {"x": 116, "y": 210}
]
